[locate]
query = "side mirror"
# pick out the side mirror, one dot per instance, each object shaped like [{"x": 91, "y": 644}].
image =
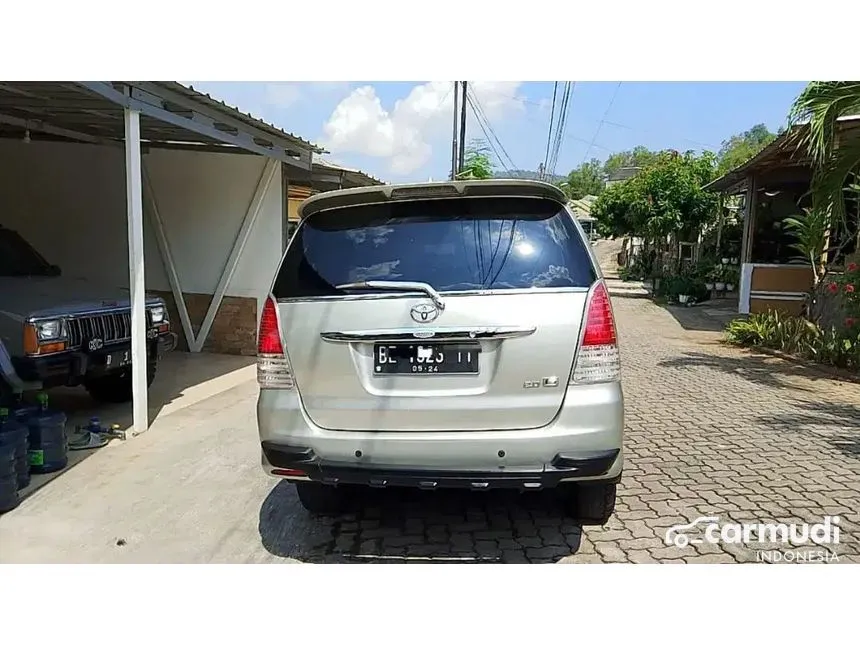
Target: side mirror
[{"x": 54, "y": 271}]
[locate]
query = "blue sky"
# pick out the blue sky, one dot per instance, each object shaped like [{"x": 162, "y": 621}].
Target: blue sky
[{"x": 401, "y": 131}]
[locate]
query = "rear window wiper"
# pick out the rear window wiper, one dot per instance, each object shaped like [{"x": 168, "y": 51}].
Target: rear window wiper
[{"x": 394, "y": 285}]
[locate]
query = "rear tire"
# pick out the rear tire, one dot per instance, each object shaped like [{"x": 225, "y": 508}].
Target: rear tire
[
  {"x": 593, "y": 504},
  {"x": 321, "y": 499},
  {"x": 116, "y": 388}
]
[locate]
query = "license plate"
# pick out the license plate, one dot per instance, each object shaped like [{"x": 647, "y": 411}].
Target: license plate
[
  {"x": 425, "y": 358},
  {"x": 117, "y": 359}
]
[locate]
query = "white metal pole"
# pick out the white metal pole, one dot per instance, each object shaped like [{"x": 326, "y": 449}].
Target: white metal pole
[{"x": 136, "y": 276}]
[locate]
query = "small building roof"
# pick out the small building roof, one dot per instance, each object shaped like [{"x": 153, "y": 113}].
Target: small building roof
[
  {"x": 582, "y": 207},
  {"x": 624, "y": 173},
  {"x": 350, "y": 177},
  {"x": 782, "y": 152}
]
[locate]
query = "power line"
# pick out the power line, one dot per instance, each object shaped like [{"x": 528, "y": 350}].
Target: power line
[
  {"x": 486, "y": 119},
  {"x": 562, "y": 124},
  {"x": 462, "y": 155},
  {"x": 600, "y": 125},
  {"x": 549, "y": 133},
  {"x": 703, "y": 146},
  {"x": 523, "y": 101},
  {"x": 480, "y": 116},
  {"x": 569, "y": 107},
  {"x": 486, "y": 134},
  {"x": 453, "y": 129}
]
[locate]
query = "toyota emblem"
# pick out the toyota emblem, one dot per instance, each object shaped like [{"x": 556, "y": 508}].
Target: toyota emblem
[{"x": 424, "y": 313}]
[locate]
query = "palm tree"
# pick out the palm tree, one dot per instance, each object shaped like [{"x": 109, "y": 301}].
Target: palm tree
[
  {"x": 818, "y": 108},
  {"x": 835, "y": 162}
]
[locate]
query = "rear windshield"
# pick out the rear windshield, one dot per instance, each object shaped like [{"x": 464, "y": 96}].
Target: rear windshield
[{"x": 452, "y": 244}]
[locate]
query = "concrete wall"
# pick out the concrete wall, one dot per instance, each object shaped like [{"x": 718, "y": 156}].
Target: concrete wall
[{"x": 68, "y": 200}]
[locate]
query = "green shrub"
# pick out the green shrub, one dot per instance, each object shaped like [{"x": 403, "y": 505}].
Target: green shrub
[
  {"x": 798, "y": 336},
  {"x": 641, "y": 268}
]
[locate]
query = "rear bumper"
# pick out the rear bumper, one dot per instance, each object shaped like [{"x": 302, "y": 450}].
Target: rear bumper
[
  {"x": 575, "y": 446},
  {"x": 291, "y": 462}
]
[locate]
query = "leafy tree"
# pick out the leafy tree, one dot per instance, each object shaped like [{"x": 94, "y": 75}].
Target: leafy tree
[
  {"x": 639, "y": 157},
  {"x": 477, "y": 162},
  {"x": 588, "y": 179},
  {"x": 742, "y": 147},
  {"x": 665, "y": 198}
]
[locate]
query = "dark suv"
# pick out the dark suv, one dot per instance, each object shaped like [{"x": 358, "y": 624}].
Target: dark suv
[{"x": 59, "y": 331}]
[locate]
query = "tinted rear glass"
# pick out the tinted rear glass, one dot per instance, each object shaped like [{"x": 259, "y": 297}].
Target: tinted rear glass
[{"x": 452, "y": 244}]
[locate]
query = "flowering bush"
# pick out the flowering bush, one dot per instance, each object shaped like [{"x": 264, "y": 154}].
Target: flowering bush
[{"x": 847, "y": 286}]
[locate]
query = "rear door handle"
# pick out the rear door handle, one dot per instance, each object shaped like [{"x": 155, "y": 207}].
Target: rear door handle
[{"x": 426, "y": 333}]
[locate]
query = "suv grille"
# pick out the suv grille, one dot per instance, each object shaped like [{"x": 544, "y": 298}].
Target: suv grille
[{"x": 111, "y": 328}]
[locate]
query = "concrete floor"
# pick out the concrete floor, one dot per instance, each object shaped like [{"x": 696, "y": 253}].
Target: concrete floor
[
  {"x": 187, "y": 491},
  {"x": 183, "y": 380}
]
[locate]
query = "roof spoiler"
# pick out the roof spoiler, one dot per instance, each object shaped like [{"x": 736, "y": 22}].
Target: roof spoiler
[{"x": 434, "y": 190}]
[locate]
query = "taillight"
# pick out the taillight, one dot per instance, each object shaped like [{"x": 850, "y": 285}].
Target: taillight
[
  {"x": 273, "y": 366},
  {"x": 598, "y": 360}
]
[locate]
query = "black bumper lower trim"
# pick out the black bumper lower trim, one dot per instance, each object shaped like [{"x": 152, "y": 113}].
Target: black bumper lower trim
[
  {"x": 73, "y": 367},
  {"x": 562, "y": 467}
]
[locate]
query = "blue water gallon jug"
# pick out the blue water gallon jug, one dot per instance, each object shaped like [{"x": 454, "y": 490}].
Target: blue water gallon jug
[
  {"x": 49, "y": 450},
  {"x": 8, "y": 479},
  {"x": 16, "y": 434}
]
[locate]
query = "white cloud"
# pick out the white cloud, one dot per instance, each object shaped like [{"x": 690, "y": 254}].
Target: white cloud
[
  {"x": 405, "y": 134},
  {"x": 287, "y": 94},
  {"x": 282, "y": 94}
]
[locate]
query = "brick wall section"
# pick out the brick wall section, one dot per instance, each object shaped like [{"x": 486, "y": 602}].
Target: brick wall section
[{"x": 234, "y": 330}]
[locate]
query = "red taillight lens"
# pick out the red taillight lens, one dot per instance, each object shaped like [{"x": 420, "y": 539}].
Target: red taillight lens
[
  {"x": 597, "y": 360},
  {"x": 269, "y": 338},
  {"x": 273, "y": 366},
  {"x": 599, "y": 324}
]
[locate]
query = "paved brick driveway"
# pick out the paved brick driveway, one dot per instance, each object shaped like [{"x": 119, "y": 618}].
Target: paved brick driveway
[{"x": 711, "y": 431}]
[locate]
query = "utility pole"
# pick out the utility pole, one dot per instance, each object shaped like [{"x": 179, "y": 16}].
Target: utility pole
[
  {"x": 463, "y": 129},
  {"x": 454, "y": 137}
]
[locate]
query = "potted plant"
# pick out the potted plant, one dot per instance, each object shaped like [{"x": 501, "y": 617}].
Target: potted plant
[
  {"x": 711, "y": 278},
  {"x": 685, "y": 288},
  {"x": 720, "y": 279},
  {"x": 731, "y": 279}
]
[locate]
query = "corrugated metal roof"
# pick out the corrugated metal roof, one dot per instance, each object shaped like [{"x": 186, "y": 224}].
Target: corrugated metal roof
[
  {"x": 217, "y": 104},
  {"x": 319, "y": 161}
]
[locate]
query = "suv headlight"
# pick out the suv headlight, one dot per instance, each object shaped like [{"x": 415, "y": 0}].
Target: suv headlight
[
  {"x": 157, "y": 314},
  {"x": 45, "y": 336},
  {"x": 48, "y": 330}
]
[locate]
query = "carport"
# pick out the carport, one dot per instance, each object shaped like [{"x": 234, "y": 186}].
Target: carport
[{"x": 137, "y": 117}]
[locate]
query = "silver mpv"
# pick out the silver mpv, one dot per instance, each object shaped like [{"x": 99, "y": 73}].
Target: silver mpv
[{"x": 441, "y": 335}]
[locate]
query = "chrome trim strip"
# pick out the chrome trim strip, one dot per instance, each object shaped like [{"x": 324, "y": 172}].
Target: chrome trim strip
[
  {"x": 426, "y": 334},
  {"x": 446, "y": 294}
]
